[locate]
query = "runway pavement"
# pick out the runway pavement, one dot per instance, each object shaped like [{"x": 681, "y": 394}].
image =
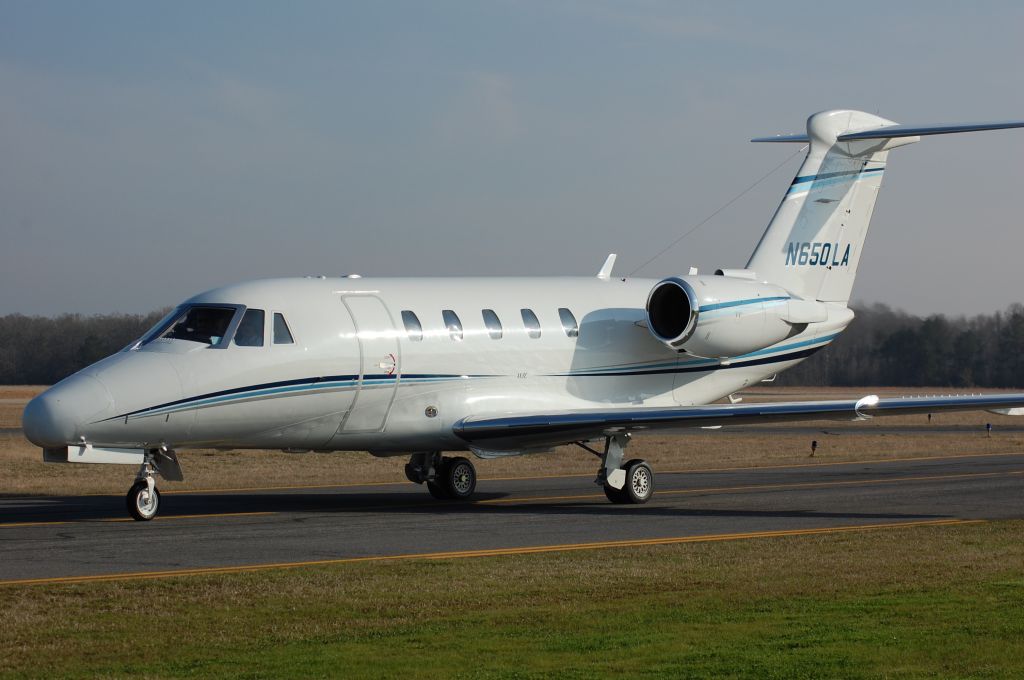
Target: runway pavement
[{"x": 85, "y": 537}]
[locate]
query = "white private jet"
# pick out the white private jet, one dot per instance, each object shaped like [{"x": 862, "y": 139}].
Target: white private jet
[{"x": 498, "y": 366}]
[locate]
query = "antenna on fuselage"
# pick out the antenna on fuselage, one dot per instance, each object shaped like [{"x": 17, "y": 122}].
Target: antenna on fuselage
[{"x": 606, "y": 269}]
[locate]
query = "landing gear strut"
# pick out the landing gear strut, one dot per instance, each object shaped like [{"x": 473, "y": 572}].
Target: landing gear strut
[
  {"x": 631, "y": 482},
  {"x": 446, "y": 478}
]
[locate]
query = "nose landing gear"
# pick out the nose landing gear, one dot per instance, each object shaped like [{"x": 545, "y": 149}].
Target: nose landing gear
[{"x": 143, "y": 499}]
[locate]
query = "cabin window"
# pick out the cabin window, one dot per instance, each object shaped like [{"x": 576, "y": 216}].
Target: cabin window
[
  {"x": 531, "y": 323},
  {"x": 452, "y": 323},
  {"x": 282, "y": 336},
  {"x": 250, "y": 329},
  {"x": 206, "y": 325},
  {"x": 493, "y": 324},
  {"x": 569, "y": 325},
  {"x": 413, "y": 328}
]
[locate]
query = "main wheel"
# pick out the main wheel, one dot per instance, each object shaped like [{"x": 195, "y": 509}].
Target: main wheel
[
  {"x": 639, "y": 482},
  {"x": 141, "y": 505},
  {"x": 459, "y": 478},
  {"x": 438, "y": 491},
  {"x": 615, "y": 495}
]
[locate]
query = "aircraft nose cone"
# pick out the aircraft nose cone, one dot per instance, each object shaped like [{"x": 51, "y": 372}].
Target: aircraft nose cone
[{"x": 56, "y": 417}]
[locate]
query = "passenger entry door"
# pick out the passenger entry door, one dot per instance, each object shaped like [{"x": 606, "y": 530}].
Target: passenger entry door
[{"x": 379, "y": 364}]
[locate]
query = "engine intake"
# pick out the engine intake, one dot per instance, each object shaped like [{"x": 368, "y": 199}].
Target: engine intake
[
  {"x": 718, "y": 317},
  {"x": 672, "y": 308}
]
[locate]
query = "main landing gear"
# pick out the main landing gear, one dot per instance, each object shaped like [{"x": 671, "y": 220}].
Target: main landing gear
[
  {"x": 446, "y": 478},
  {"x": 143, "y": 499},
  {"x": 630, "y": 482}
]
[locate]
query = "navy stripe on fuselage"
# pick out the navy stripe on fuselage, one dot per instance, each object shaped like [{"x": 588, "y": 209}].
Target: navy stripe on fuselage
[
  {"x": 310, "y": 382},
  {"x": 326, "y": 381}
]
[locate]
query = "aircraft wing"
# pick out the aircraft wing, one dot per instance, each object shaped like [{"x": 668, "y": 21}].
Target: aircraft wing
[{"x": 537, "y": 430}]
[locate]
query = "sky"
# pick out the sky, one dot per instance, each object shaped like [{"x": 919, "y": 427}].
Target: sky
[{"x": 150, "y": 151}]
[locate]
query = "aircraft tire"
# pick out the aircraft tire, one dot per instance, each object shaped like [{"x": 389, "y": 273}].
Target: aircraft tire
[
  {"x": 615, "y": 495},
  {"x": 459, "y": 478},
  {"x": 639, "y": 482},
  {"x": 139, "y": 507},
  {"x": 438, "y": 491}
]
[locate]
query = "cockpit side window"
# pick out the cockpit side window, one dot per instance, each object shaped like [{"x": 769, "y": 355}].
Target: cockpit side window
[
  {"x": 250, "y": 329},
  {"x": 282, "y": 335},
  {"x": 198, "y": 323}
]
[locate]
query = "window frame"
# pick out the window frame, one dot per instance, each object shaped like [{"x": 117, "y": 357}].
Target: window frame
[
  {"x": 532, "y": 333},
  {"x": 175, "y": 314}
]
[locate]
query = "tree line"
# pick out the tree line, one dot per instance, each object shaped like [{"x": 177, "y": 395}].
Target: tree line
[
  {"x": 39, "y": 350},
  {"x": 888, "y": 347},
  {"x": 881, "y": 347}
]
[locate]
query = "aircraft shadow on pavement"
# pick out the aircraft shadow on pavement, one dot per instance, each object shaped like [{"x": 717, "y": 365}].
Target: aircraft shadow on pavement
[{"x": 292, "y": 507}]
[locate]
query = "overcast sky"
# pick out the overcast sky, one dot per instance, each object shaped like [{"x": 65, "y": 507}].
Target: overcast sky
[{"x": 149, "y": 151}]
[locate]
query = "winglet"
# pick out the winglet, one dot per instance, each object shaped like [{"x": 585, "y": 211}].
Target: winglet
[{"x": 606, "y": 268}]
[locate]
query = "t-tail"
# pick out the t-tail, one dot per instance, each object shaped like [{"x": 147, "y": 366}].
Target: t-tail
[{"x": 814, "y": 242}]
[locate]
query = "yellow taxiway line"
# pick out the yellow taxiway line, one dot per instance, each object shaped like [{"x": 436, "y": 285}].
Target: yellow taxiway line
[
  {"x": 8, "y": 525},
  {"x": 492, "y": 552}
]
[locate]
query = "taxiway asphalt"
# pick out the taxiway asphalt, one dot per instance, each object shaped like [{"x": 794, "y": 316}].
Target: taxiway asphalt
[{"x": 43, "y": 539}]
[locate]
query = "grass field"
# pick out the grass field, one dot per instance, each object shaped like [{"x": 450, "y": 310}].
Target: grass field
[
  {"x": 935, "y": 602},
  {"x": 23, "y": 472},
  {"x": 923, "y": 602}
]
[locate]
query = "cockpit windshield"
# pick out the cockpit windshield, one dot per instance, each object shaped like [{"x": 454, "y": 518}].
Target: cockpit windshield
[{"x": 205, "y": 324}]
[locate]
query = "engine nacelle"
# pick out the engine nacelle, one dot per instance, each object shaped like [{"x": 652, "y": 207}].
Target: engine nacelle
[{"x": 719, "y": 317}]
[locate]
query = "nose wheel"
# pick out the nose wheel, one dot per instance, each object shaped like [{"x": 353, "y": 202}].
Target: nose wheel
[{"x": 143, "y": 500}]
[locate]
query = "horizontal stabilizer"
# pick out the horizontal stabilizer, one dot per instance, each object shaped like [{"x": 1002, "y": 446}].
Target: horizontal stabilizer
[
  {"x": 799, "y": 137},
  {"x": 892, "y": 131}
]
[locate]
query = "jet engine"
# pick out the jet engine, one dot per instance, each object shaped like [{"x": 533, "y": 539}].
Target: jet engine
[{"x": 723, "y": 316}]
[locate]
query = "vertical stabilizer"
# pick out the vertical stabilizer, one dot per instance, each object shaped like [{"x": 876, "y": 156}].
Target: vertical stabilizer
[{"x": 813, "y": 244}]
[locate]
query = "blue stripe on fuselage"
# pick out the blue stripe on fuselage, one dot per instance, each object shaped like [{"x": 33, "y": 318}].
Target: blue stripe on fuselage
[{"x": 304, "y": 385}]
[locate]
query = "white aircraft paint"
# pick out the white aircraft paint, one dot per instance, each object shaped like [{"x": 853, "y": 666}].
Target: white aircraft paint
[{"x": 576, "y": 359}]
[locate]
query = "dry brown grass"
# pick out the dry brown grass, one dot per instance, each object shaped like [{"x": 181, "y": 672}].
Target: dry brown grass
[{"x": 23, "y": 472}]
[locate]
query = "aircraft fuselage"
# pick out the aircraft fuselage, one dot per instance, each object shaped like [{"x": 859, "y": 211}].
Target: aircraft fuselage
[{"x": 356, "y": 377}]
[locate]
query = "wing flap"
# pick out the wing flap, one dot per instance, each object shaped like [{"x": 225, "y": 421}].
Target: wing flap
[{"x": 517, "y": 431}]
